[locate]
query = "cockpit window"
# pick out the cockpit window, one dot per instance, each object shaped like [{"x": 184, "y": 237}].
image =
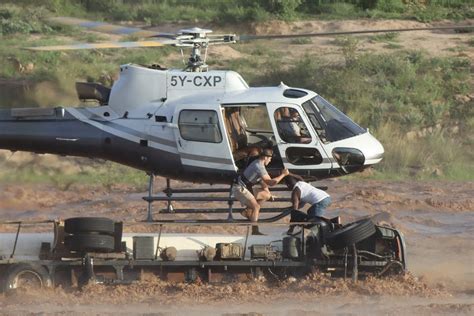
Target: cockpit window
[
  {"x": 290, "y": 126},
  {"x": 330, "y": 123}
]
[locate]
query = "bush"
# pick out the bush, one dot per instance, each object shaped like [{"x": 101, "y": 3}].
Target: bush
[
  {"x": 13, "y": 20},
  {"x": 395, "y": 6},
  {"x": 429, "y": 13},
  {"x": 421, "y": 157},
  {"x": 282, "y": 8},
  {"x": 339, "y": 10},
  {"x": 236, "y": 14}
]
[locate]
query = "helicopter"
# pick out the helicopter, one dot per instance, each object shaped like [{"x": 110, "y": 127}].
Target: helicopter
[{"x": 195, "y": 124}]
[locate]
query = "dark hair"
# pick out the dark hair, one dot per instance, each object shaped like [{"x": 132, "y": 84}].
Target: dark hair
[
  {"x": 291, "y": 180},
  {"x": 267, "y": 152}
]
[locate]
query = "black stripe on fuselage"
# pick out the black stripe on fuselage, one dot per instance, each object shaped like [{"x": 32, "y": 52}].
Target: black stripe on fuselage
[{"x": 65, "y": 135}]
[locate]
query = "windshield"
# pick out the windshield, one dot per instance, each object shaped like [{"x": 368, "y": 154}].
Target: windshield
[{"x": 330, "y": 123}]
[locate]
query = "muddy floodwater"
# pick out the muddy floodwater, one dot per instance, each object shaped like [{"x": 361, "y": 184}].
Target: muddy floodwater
[{"x": 436, "y": 217}]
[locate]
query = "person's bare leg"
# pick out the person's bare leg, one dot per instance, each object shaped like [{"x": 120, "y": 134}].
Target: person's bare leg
[
  {"x": 255, "y": 213},
  {"x": 262, "y": 195},
  {"x": 252, "y": 208},
  {"x": 254, "y": 219}
]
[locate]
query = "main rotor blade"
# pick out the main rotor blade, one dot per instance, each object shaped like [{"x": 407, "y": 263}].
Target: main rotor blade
[
  {"x": 103, "y": 27},
  {"x": 281, "y": 36},
  {"x": 152, "y": 43}
]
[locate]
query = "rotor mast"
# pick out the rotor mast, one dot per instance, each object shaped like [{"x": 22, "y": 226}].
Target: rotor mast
[{"x": 198, "y": 39}]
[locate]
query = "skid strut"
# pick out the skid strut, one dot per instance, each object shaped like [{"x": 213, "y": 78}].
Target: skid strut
[
  {"x": 149, "y": 217},
  {"x": 231, "y": 202}
]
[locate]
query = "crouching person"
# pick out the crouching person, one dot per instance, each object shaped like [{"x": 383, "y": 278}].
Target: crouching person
[
  {"x": 304, "y": 193},
  {"x": 250, "y": 196}
]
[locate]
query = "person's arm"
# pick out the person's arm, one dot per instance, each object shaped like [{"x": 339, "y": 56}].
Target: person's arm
[
  {"x": 295, "y": 198},
  {"x": 271, "y": 182},
  {"x": 263, "y": 185}
]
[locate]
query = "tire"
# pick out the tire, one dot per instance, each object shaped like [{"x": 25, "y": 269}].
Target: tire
[
  {"x": 89, "y": 242},
  {"x": 26, "y": 276},
  {"x": 78, "y": 225},
  {"x": 350, "y": 234}
]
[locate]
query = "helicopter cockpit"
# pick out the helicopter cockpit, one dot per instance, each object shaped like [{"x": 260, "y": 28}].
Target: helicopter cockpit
[
  {"x": 310, "y": 137},
  {"x": 330, "y": 123}
]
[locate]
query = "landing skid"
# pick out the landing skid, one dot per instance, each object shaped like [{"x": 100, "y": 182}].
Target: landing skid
[{"x": 170, "y": 196}]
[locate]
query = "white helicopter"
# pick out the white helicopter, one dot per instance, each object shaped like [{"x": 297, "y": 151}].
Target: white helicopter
[{"x": 194, "y": 124}]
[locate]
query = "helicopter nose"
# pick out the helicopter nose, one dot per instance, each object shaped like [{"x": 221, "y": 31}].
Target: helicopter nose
[{"x": 374, "y": 150}]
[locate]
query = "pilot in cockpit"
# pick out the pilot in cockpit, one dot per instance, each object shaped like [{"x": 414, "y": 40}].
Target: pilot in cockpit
[{"x": 289, "y": 126}]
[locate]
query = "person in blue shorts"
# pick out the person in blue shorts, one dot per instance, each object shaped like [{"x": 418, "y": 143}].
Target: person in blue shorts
[{"x": 304, "y": 193}]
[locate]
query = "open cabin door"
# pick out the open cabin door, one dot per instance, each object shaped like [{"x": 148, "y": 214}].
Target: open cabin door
[
  {"x": 201, "y": 138},
  {"x": 298, "y": 144}
]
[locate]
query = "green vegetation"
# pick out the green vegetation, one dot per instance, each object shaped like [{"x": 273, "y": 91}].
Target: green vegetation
[
  {"x": 231, "y": 11},
  {"x": 408, "y": 89},
  {"x": 301, "y": 41},
  {"x": 439, "y": 154},
  {"x": 386, "y": 37},
  {"x": 407, "y": 99}
]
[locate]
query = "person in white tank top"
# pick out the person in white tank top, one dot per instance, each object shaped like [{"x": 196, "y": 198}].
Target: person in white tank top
[{"x": 304, "y": 193}]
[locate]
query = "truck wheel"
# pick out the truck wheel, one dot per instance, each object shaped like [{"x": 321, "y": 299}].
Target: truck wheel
[
  {"x": 79, "y": 225},
  {"x": 26, "y": 276},
  {"x": 350, "y": 234},
  {"x": 89, "y": 242}
]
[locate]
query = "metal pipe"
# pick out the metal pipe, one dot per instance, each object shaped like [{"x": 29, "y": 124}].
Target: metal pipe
[
  {"x": 169, "y": 194},
  {"x": 26, "y": 222},
  {"x": 223, "y": 190},
  {"x": 16, "y": 240},
  {"x": 345, "y": 263},
  {"x": 149, "y": 217},
  {"x": 217, "y": 210},
  {"x": 245, "y": 243},
  {"x": 388, "y": 266},
  {"x": 355, "y": 271},
  {"x": 201, "y": 199},
  {"x": 302, "y": 255},
  {"x": 231, "y": 202},
  {"x": 158, "y": 242},
  {"x": 365, "y": 252}
]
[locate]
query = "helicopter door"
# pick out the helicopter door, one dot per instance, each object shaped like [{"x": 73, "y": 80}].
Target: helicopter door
[
  {"x": 299, "y": 146},
  {"x": 201, "y": 138}
]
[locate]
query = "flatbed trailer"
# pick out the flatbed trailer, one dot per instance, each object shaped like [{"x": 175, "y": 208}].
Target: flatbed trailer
[{"x": 82, "y": 253}]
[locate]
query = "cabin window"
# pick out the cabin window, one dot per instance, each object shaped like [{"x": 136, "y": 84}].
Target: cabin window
[
  {"x": 249, "y": 130},
  {"x": 200, "y": 126},
  {"x": 291, "y": 127}
]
